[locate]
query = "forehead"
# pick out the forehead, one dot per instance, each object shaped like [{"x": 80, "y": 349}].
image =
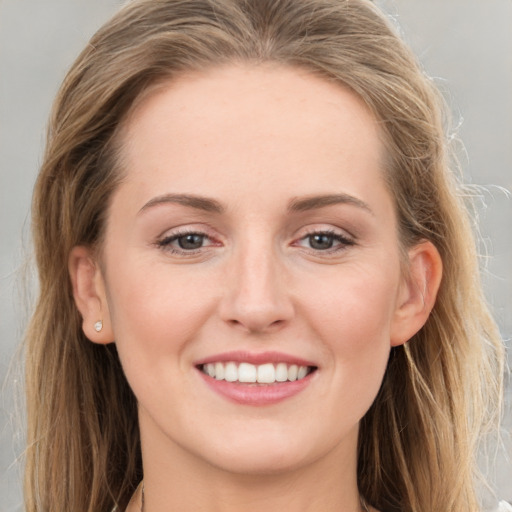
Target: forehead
[{"x": 256, "y": 126}]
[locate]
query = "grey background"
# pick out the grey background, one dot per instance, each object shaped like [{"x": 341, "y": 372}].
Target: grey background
[{"x": 465, "y": 44}]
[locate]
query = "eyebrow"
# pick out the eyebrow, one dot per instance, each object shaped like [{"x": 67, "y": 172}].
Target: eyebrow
[
  {"x": 199, "y": 202},
  {"x": 296, "y": 205},
  {"x": 314, "y": 202}
]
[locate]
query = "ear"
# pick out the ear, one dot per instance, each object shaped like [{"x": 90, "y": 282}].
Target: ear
[
  {"x": 418, "y": 292},
  {"x": 89, "y": 294}
]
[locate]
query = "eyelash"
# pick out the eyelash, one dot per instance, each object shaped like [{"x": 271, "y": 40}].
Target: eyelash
[
  {"x": 343, "y": 241},
  {"x": 165, "y": 243}
]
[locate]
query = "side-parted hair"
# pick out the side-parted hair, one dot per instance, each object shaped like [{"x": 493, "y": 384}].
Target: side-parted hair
[{"x": 417, "y": 442}]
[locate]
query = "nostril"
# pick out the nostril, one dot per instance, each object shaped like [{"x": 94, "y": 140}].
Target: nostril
[
  {"x": 255, "y": 299},
  {"x": 256, "y": 324}
]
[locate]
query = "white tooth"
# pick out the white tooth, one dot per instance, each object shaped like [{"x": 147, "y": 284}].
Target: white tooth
[
  {"x": 210, "y": 369},
  {"x": 281, "y": 372},
  {"x": 266, "y": 373},
  {"x": 292, "y": 372},
  {"x": 246, "y": 372},
  {"x": 231, "y": 372},
  {"x": 303, "y": 371},
  {"x": 219, "y": 371}
]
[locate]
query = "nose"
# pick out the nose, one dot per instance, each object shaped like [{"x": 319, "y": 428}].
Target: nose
[{"x": 256, "y": 298}]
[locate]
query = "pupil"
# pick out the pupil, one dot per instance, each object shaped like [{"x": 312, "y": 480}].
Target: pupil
[
  {"x": 190, "y": 241},
  {"x": 321, "y": 241}
]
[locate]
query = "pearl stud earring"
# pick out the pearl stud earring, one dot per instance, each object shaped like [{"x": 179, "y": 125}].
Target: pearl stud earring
[{"x": 98, "y": 326}]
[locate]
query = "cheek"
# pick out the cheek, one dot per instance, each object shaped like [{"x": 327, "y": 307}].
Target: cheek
[
  {"x": 356, "y": 310},
  {"x": 353, "y": 319},
  {"x": 154, "y": 312}
]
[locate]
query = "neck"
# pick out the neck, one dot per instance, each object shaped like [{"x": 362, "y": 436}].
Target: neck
[{"x": 176, "y": 480}]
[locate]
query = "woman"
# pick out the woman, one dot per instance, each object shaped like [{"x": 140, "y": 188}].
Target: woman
[{"x": 258, "y": 284}]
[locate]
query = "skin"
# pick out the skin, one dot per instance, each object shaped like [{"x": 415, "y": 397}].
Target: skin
[{"x": 256, "y": 141}]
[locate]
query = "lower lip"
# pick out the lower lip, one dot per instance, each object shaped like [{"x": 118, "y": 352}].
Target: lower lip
[{"x": 257, "y": 394}]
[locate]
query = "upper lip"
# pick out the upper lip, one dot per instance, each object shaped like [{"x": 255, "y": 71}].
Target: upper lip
[{"x": 256, "y": 358}]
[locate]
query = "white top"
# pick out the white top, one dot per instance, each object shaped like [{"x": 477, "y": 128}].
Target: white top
[{"x": 503, "y": 506}]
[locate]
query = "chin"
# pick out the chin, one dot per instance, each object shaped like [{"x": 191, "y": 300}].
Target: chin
[
  {"x": 260, "y": 462},
  {"x": 268, "y": 452}
]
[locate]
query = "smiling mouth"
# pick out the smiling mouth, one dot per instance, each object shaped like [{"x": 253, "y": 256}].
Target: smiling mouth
[{"x": 247, "y": 373}]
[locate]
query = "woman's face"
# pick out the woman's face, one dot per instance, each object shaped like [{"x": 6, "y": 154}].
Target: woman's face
[{"x": 253, "y": 238}]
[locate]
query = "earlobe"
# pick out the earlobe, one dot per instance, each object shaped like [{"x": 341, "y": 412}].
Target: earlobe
[
  {"x": 418, "y": 292},
  {"x": 89, "y": 294}
]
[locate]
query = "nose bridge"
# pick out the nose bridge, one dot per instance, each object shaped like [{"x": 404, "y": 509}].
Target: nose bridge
[{"x": 256, "y": 297}]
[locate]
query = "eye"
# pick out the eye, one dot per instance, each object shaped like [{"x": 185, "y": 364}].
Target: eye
[
  {"x": 321, "y": 241},
  {"x": 185, "y": 242},
  {"x": 327, "y": 241},
  {"x": 190, "y": 241}
]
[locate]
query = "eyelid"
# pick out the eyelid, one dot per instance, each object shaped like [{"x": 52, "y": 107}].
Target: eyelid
[
  {"x": 199, "y": 228},
  {"x": 344, "y": 238},
  {"x": 319, "y": 228},
  {"x": 165, "y": 240},
  {"x": 178, "y": 235}
]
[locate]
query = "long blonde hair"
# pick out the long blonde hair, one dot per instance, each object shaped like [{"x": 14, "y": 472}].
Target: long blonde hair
[{"x": 417, "y": 442}]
